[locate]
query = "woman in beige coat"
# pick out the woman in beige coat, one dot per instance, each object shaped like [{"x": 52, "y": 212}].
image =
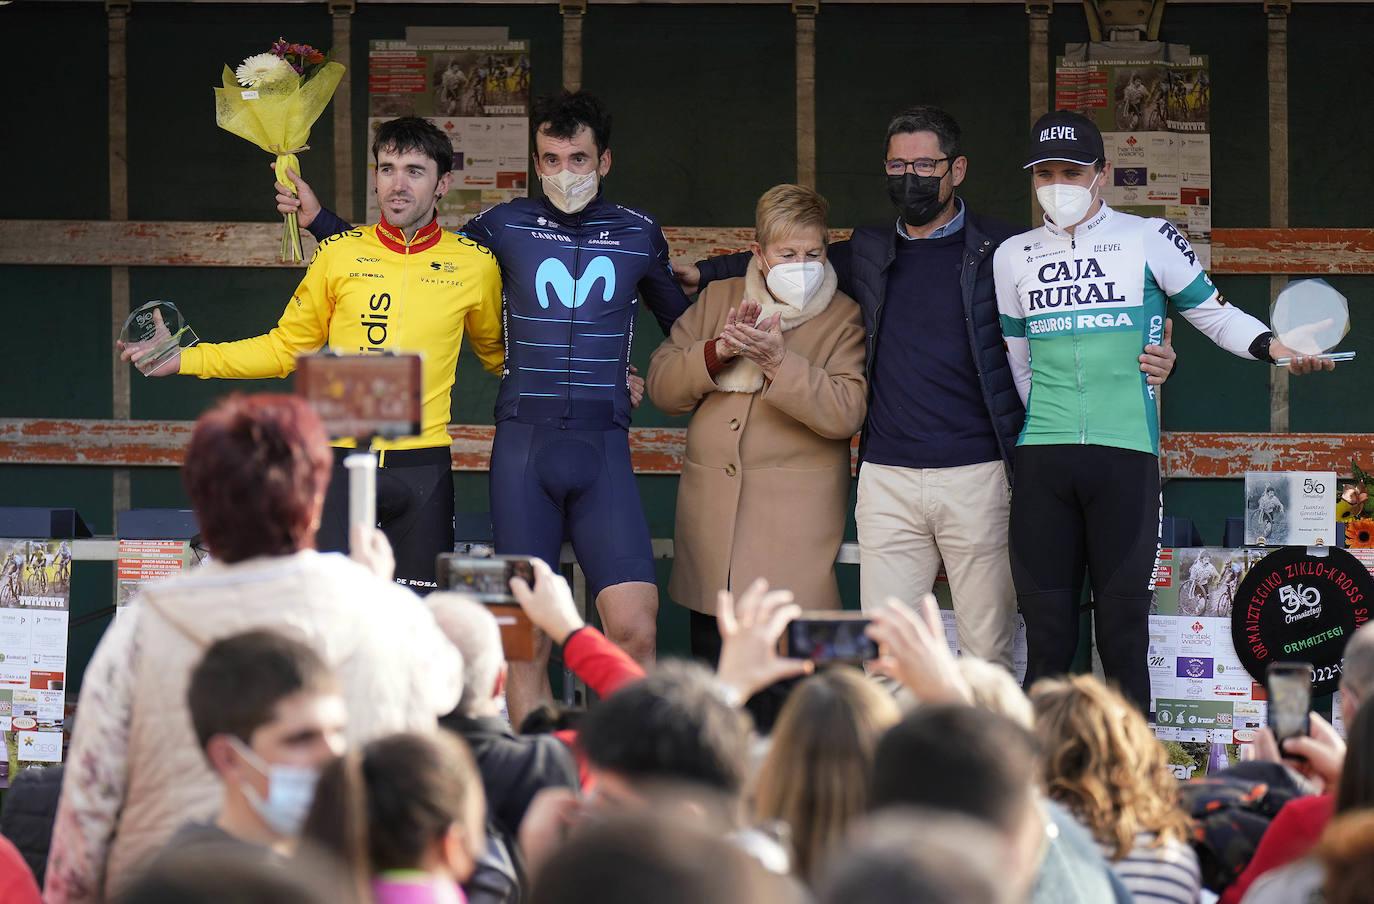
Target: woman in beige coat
[{"x": 771, "y": 365}]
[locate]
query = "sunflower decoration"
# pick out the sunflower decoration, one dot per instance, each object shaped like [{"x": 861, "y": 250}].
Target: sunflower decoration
[
  {"x": 1360, "y": 534},
  {"x": 1351, "y": 505}
]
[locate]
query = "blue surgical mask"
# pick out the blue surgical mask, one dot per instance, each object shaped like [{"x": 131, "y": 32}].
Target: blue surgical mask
[{"x": 290, "y": 792}]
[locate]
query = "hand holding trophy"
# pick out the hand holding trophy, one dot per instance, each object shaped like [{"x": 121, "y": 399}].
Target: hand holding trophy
[
  {"x": 153, "y": 337},
  {"x": 1309, "y": 318}
]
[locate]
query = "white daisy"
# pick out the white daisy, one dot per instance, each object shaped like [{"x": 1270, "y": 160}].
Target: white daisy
[{"x": 262, "y": 69}]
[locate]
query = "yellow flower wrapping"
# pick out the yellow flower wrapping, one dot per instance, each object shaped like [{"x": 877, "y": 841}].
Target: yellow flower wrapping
[{"x": 277, "y": 117}]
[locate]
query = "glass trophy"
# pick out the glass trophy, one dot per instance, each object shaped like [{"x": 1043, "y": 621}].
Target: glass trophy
[
  {"x": 1311, "y": 317},
  {"x": 155, "y": 333}
]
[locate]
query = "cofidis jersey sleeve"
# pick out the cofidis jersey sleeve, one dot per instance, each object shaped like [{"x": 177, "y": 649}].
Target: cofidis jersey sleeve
[
  {"x": 1171, "y": 267},
  {"x": 302, "y": 329}
]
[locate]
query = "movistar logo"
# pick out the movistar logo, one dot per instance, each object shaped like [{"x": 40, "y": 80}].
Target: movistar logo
[{"x": 569, "y": 292}]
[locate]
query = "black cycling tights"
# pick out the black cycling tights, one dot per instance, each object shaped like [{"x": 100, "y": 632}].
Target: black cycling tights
[{"x": 1094, "y": 507}]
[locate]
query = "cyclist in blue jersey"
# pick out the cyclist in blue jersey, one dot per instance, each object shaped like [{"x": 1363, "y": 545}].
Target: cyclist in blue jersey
[{"x": 573, "y": 265}]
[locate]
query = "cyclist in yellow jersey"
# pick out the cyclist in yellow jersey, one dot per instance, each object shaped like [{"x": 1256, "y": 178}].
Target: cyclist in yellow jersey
[{"x": 401, "y": 285}]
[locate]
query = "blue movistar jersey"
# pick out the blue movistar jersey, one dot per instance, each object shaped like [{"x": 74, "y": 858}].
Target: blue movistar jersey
[{"x": 570, "y": 284}]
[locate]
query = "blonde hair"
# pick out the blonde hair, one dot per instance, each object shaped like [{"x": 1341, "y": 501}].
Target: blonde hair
[
  {"x": 1104, "y": 764},
  {"x": 786, "y": 208},
  {"x": 815, "y": 777}
]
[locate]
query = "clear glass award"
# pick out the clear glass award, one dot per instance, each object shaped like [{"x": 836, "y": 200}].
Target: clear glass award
[
  {"x": 1311, "y": 317},
  {"x": 155, "y": 333}
]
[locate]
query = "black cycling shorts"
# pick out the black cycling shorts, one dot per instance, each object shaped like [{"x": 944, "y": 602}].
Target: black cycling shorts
[
  {"x": 548, "y": 483},
  {"x": 414, "y": 510},
  {"x": 1093, "y": 508}
]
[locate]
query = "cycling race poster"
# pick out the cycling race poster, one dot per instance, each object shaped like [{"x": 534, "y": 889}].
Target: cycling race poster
[
  {"x": 1155, "y": 122},
  {"x": 479, "y": 95},
  {"x": 35, "y": 599}
]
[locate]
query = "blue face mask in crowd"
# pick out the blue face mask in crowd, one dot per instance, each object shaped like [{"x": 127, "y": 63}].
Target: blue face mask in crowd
[{"x": 290, "y": 792}]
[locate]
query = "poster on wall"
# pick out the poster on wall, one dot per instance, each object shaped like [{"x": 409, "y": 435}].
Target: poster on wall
[
  {"x": 35, "y": 602},
  {"x": 1290, "y": 508},
  {"x": 142, "y": 562},
  {"x": 479, "y": 95},
  {"x": 1155, "y": 119}
]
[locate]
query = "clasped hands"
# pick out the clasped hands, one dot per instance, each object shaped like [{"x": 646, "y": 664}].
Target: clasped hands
[{"x": 746, "y": 336}]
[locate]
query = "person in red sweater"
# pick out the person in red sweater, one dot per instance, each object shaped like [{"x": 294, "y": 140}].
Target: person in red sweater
[
  {"x": 17, "y": 884},
  {"x": 1296, "y": 827}
]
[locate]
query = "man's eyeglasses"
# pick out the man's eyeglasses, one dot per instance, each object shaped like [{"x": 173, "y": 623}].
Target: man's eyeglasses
[{"x": 921, "y": 166}]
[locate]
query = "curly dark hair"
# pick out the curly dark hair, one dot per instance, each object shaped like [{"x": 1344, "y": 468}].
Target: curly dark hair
[{"x": 563, "y": 116}]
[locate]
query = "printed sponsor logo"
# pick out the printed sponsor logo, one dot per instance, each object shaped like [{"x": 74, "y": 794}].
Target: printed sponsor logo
[
  {"x": 1194, "y": 667},
  {"x": 572, "y": 293},
  {"x": 1130, "y": 176}
]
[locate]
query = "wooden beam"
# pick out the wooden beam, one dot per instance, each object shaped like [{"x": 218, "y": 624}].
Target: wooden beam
[
  {"x": 1277, "y": 16},
  {"x": 117, "y": 40},
  {"x": 654, "y": 450},
  {"x": 804, "y": 15},
  {"x": 104, "y": 243},
  {"x": 1222, "y": 455}
]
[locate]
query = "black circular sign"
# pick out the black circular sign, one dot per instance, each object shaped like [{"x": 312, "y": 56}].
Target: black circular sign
[{"x": 1292, "y": 606}]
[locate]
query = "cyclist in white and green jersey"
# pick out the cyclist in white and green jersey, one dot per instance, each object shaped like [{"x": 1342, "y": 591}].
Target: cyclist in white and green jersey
[{"x": 1079, "y": 297}]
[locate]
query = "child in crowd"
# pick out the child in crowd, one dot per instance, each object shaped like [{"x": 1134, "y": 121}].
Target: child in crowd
[{"x": 407, "y": 815}]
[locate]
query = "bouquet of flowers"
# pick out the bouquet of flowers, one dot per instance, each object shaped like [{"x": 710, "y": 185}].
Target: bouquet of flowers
[
  {"x": 1353, "y": 508},
  {"x": 272, "y": 100}
]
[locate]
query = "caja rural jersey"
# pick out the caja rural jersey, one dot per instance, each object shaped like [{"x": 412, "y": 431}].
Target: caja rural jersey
[
  {"x": 367, "y": 291},
  {"x": 1078, "y": 309}
]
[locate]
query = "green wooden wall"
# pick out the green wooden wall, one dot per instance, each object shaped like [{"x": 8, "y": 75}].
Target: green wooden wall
[{"x": 705, "y": 121}]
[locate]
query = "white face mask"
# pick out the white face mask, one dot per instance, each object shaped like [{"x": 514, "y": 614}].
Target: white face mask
[
  {"x": 290, "y": 792},
  {"x": 569, "y": 191},
  {"x": 1066, "y": 205},
  {"x": 795, "y": 284}
]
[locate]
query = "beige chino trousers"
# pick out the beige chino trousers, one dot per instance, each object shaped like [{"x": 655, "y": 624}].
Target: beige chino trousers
[{"x": 909, "y": 519}]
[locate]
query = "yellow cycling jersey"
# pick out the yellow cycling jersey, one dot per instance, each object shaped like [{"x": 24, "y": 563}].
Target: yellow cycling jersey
[{"x": 366, "y": 291}]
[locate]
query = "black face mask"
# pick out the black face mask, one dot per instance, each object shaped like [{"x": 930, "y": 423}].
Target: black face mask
[{"x": 917, "y": 198}]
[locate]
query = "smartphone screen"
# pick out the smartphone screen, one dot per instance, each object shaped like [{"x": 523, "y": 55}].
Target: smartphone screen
[
  {"x": 487, "y": 580},
  {"x": 830, "y": 639},
  {"x": 1289, "y": 686},
  {"x": 361, "y": 396}
]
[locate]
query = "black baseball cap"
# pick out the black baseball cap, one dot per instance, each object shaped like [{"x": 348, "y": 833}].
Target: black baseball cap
[{"x": 1064, "y": 135}]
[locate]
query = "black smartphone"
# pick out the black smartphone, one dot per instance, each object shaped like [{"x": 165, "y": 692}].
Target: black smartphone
[
  {"x": 830, "y": 637},
  {"x": 362, "y": 396},
  {"x": 487, "y": 580},
  {"x": 1289, "y": 688}
]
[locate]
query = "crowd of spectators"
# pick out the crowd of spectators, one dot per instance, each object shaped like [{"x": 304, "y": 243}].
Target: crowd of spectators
[{"x": 286, "y": 725}]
